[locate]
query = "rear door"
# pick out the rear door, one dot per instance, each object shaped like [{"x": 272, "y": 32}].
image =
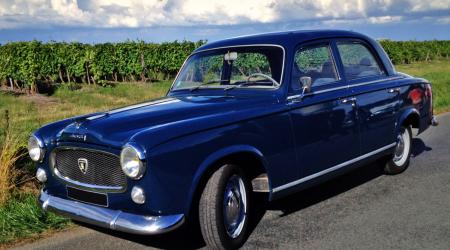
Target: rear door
[
  {"x": 376, "y": 96},
  {"x": 325, "y": 127}
]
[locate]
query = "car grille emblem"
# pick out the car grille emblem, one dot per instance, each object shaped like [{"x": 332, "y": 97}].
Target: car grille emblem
[{"x": 83, "y": 165}]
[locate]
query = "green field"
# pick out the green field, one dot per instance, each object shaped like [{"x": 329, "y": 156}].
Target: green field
[
  {"x": 19, "y": 215},
  {"x": 438, "y": 73}
]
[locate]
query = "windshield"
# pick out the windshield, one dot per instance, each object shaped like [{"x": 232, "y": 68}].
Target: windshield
[{"x": 249, "y": 66}]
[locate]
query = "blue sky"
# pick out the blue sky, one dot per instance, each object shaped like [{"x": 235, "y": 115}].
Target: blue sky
[{"x": 95, "y": 21}]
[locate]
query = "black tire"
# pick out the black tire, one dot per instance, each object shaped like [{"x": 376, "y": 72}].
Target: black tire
[
  {"x": 399, "y": 162},
  {"x": 211, "y": 209}
]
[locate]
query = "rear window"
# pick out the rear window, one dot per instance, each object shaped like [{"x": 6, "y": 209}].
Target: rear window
[{"x": 358, "y": 61}]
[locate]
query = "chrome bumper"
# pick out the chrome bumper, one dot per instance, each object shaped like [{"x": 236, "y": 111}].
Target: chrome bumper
[
  {"x": 434, "y": 121},
  {"x": 108, "y": 218}
]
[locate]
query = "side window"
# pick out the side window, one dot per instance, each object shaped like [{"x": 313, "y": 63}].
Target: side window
[
  {"x": 315, "y": 62},
  {"x": 358, "y": 61}
]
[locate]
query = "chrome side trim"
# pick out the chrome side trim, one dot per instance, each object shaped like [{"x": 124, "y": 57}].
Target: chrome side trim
[
  {"x": 376, "y": 81},
  {"x": 317, "y": 92},
  {"x": 326, "y": 171},
  {"x": 236, "y": 46},
  {"x": 292, "y": 97},
  {"x": 111, "y": 219}
]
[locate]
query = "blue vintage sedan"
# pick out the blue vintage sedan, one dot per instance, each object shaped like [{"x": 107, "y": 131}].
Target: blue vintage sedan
[{"x": 272, "y": 113}]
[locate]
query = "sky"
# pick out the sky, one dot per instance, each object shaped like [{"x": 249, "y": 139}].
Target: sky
[{"x": 95, "y": 21}]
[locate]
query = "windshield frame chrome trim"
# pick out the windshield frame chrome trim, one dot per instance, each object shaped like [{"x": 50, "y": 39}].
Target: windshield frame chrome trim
[{"x": 235, "y": 46}]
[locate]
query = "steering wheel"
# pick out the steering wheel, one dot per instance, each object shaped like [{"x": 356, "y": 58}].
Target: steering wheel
[{"x": 275, "y": 83}]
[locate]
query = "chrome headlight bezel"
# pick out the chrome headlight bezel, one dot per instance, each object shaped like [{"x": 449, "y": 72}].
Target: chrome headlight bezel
[
  {"x": 132, "y": 161},
  {"x": 36, "y": 148}
]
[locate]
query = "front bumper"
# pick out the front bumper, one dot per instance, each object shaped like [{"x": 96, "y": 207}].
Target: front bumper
[{"x": 108, "y": 218}]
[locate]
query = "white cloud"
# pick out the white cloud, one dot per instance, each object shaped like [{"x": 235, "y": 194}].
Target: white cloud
[
  {"x": 148, "y": 13},
  {"x": 444, "y": 20},
  {"x": 384, "y": 19}
]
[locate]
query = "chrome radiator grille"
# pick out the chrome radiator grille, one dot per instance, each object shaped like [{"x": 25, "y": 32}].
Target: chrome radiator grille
[{"x": 89, "y": 167}]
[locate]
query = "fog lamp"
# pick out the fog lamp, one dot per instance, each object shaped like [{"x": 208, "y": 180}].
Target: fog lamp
[
  {"x": 41, "y": 175},
  {"x": 137, "y": 195}
]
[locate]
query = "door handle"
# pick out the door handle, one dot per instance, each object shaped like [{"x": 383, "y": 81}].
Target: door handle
[
  {"x": 351, "y": 100},
  {"x": 395, "y": 90}
]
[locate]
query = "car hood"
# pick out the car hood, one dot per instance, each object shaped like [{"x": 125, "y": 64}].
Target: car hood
[{"x": 164, "y": 118}]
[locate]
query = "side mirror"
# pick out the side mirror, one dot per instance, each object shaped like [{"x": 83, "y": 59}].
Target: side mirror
[{"x": 306, "y": 82}]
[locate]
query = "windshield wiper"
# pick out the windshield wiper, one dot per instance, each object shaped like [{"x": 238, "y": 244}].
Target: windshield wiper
[
  {"x": 243, "y": 84},
  {"x": 207, "y": 83}
]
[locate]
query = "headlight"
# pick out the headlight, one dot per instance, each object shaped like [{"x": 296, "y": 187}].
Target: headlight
[
  {"x": 130, "y": 160},
  {"x": 35, "y": 148}
]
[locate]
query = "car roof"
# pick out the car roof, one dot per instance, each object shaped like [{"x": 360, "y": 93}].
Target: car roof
[{"x": 284, "y": 39}]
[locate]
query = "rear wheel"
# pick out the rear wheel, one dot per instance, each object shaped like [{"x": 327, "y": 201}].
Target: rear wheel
[
  {"x": 224, "y": 207},
  {"x": 400, "y": 159}
]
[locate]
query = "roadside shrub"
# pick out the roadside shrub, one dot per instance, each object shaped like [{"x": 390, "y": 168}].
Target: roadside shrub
[{"x": 9, "y": 154}]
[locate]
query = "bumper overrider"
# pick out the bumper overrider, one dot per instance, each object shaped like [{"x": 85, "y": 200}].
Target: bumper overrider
[{"x": 108, "y": 218}]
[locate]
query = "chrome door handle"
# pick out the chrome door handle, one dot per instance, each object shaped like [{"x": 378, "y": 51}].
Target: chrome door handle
[
  {"x": 351, "y": 100},
  {"x": 396, "y": 90}
]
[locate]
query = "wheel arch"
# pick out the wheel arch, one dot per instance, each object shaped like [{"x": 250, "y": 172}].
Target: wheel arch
[
  {"x": 237, "y": 154},
  {"x": 410, "y": 117}
]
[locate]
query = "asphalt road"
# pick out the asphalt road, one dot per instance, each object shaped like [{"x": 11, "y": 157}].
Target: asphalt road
[{"x": 360, "y": 210}]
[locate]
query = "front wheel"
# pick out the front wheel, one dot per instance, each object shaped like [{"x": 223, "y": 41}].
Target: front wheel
[
  {"x": 400, "y": 159},
  {"x": 224, "y": 208}
]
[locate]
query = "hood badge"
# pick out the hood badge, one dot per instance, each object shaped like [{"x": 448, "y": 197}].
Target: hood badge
[
  {"x": 83, "y": 165},
  {"x": 78, "y": 137}
]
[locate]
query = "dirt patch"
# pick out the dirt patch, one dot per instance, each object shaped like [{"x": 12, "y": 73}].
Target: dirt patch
[{"x": 39, "y": 100}]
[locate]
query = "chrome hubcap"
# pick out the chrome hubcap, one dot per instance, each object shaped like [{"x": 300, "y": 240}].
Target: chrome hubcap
[
  {"x": 235, "y": 206},
  {"x": 400, "y": 148}
]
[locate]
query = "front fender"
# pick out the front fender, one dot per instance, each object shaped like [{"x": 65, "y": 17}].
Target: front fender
[
  {"x": 176, "y": 167},
  {"x": 209, "y": 162}
]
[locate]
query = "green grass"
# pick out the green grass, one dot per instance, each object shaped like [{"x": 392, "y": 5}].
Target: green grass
[
  {"x": 438, "y": 73},
  {"x": 108, "y": 97},
  {"x": 22, "y": 217},
  {"x": 27, "y": 113}
]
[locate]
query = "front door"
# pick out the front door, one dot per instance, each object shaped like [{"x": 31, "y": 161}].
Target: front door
[{"x": 324, "y": 120}]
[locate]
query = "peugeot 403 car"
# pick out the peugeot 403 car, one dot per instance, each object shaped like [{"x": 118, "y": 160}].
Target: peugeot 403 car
[{"x": 272, "y": 113}]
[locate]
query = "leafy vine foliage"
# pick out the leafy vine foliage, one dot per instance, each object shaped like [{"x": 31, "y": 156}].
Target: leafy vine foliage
[
  {"x": 25, "y": 64},
  {"x": 406, "y": 52}
]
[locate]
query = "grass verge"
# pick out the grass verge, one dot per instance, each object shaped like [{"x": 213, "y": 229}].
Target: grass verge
[
  {"x": 22, "y": 217},
  {"x": 438, "y": 73}
]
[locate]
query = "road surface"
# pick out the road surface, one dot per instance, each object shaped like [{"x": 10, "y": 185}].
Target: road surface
[{"x": 360, "y": 210}]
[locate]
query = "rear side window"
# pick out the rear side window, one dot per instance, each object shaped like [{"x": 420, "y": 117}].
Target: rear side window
[
  {"x": 315, "y": 62},
  {"x": 358, "y": 61}
]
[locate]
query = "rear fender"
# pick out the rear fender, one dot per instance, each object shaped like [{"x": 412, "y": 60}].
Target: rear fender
[{"x": 410, "y": 116}]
